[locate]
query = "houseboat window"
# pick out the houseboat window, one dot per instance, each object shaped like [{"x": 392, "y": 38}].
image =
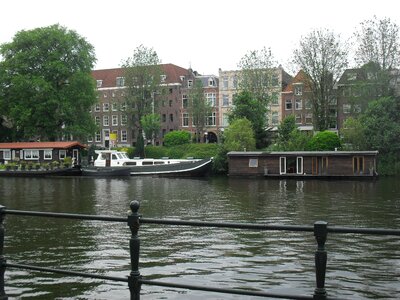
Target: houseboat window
[
  {"x": 146, "y": 163},
  {"x": 282, "y": 165},
  {"x": 7, "y": 154},
  {"x": 62, "y": 154},
  {"x": 299, "y": 165},
  {"x": 159, "y": 162},
  {"x": 48, "y": 154},
  {"x": 31, "y": 154},
  {"x": 114, "y": 157},
  {"x": 253, "y": 163}
]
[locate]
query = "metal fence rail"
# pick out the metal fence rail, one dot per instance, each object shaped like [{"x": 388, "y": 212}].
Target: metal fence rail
[{"x": 135, "y": 280}]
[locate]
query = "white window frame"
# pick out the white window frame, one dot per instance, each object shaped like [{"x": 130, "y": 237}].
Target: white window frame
[
  {"x": 98, "y": 137},
  {"x": 62, "y": 154},
  {"x": 298, "y": 104},
  {"x": 124, "y": 120},
  {"x": 106, "y": 106},
  {"x": 185, "y": 120},
  {"x": 282, "y": 165},
  {"x": 45, "y": 154},
  {"x": 97, "y": 107},
  {"x": 114, "y": 106},
  {"x": 114, "y": 120},
  {"x": 7, "y": 154},
  {"x": 31, "y": 154},
  {"x": 124, "y": 136},
  {"x": 106, "y": 121},
  {"x": 299, "y": 164}
]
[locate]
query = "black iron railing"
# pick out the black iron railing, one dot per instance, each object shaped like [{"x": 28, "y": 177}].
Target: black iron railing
[{"x": 135, "y": 280}]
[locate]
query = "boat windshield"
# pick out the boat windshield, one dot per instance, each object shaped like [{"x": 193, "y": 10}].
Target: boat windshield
[{"x": 122, "y": 155}]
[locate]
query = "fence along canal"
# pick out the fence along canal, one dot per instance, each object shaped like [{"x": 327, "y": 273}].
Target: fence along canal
[{"x": 134, "y": 280}]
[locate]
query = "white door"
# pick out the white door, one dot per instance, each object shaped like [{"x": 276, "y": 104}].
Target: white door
[
  {"x": 299, "y": 165},
  {"x": 282, "y": 165}
]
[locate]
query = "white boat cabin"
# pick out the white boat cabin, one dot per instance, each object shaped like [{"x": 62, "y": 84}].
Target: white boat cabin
[{"x": 113, "y": 158}]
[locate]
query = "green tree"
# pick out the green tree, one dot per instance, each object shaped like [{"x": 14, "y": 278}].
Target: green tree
[
  {"x": 353, "y": 134},
  {"x": 323, "y": 57},
  {"x": 46, "y": 85},
  {"x": 239, "y": 136},
  {"x": 258, "y": 74},
  {"x": 381, "y": 125},
  {"x": 176, "y": 137},
  {"x": 151, "y": 125},
  {"x": 198, "y": 108},
  {"x": 378, "y": 42},
  {"x": 246, "y": 106},
  {"x": 287, "y": 125},
  {"x": 142, "y": 78},
  {"x": 290, "y": 138},
  {"x": 324, "y": 141}
]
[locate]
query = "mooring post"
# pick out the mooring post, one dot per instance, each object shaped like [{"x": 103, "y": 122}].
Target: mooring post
[
  {"x": 134, "y": 248},
  {"x": 320, "y": 233},
  {"x": 3, "y": 295}
]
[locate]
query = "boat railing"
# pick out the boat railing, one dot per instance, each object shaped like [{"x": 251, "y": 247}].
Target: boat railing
[{"x": 135, "y": 280}]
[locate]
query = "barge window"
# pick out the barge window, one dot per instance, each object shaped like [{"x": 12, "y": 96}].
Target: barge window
[
  {"x": 62, "y": 154},
  {"x": 31, "y": 154},
  {"x": 253, "y": 163},
  {"x": 48, "y": 154},
  {"x": 7, "y": 154}
]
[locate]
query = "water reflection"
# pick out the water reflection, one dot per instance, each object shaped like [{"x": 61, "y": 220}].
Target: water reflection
[{"x": 359, "y": 267}]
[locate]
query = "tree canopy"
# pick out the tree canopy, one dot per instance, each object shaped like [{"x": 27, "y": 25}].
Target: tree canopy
[
  {"x": 142, "y": 79},
  {"x": 258, "y": 74},
  {"x": 246, "y": 106},
  {"x": 378, "y": 42},
  {"x": 46, "y": 85},
  {"x": 239, "y": 136},
  {"x": 323, "y": 57},
  {"x": 198, "y": 108}
]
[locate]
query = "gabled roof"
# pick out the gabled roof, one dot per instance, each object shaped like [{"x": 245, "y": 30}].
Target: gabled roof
[
  {"x": 108, "y": 76},
  {"x": 41, "y": 145},
  {"x": 301, "y": 77}
]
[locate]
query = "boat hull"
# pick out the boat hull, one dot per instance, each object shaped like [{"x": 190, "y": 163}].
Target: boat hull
[
  {"x": 195, "y": 168},
  {"x": 106, "y": 171},
  {"x": 42, "y": 173}
]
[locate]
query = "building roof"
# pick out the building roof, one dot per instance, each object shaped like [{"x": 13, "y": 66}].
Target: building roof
[
  {"x": 41, "y": 145},
  {"x": 173, "y": 74},
  {"x": 301, "y": 77}
]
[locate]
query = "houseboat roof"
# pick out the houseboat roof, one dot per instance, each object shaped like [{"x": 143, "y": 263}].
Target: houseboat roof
[
  {"x": 301, "y": 153},
  {"x": 41, "y": 145}
]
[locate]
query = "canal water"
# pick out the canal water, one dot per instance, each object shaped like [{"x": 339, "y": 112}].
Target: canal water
[{"x": 359, "y": 266}]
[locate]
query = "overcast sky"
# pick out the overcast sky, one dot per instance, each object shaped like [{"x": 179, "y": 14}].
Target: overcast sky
[{"x": 205, "y": 35}]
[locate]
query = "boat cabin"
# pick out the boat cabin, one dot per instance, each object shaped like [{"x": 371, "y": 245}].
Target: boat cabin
[
  {"x": 41, "y": 152},
  {"x": 311, "y": 164}
]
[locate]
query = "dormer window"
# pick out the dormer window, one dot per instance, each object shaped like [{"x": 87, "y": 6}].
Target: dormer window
[
  {"x": 99, "y": 83},
  {"x": 163, "y": 78},
  {"x": 190, "y": 83},
  {"x": 211, "y": 81},
  {"x": 182, "y": 78}
]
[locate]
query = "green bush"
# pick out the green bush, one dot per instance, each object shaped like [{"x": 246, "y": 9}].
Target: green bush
[
  {"x": 177, "y": 137},
  {"x": 324, "y": 141},
  {"x": 155, "y": 152}
]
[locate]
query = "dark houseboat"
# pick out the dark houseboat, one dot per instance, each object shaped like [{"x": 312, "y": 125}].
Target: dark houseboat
[
  {"x": 304, "y": 164},
  {"x": 40, "y": 158}
]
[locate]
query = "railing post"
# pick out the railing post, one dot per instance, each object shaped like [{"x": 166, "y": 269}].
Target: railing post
[
  {"x": 134, "y": 248},
  {"x": 3, "y": 295},
  {"x": 320, "y": 233}
]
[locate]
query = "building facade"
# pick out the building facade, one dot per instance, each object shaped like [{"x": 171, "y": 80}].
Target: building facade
[
  {"x": 110, "y": 112},
  {"x": 230, "y": 86}
]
